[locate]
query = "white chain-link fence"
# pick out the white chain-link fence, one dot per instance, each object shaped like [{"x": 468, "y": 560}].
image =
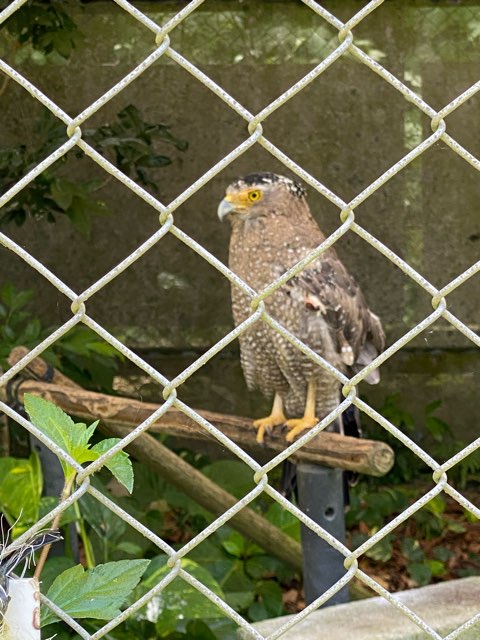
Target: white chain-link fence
[{"x": 255, "y": 135}]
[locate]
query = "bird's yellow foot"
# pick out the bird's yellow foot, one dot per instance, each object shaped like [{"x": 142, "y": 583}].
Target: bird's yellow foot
[
  {"x": 297, "y": 425},
  {"x": 267, "y": 424}
]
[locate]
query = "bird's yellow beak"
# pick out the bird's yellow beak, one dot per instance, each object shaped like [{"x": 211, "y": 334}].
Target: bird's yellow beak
[{"x": 225, "y": 208}]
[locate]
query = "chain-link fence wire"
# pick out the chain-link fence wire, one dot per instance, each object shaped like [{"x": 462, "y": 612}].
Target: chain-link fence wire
[{"x": 255, "y": 122}]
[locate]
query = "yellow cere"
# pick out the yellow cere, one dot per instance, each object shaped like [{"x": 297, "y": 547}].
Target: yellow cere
[{"x": 244, "y": 198}]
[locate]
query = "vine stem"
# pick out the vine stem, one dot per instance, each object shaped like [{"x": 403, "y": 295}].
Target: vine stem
[
  {"x": 55, "y": 522},
  {"x": 87, "y": 545}
]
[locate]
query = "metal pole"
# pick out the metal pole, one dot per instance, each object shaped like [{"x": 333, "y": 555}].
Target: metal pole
[
  {"x": 321, "y": 497},
  {"x": 53, "y": 481}
]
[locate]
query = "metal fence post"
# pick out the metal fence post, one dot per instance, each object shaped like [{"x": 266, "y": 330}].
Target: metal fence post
[
  {"x": 53, "y": 481},
  {"x": 321, "y": 497}
]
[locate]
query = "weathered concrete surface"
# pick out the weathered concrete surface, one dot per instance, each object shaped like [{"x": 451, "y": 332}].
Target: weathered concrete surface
[
  {"x": 346, "y": 128},
  {"x": 445, "y": 607}
]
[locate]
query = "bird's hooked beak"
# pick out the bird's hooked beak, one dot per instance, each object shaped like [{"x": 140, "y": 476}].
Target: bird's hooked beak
[{"x": 224, "y": 209}]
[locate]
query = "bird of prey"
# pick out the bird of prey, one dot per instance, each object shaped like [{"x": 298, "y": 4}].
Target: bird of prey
[{"x": 271, "y": 230}]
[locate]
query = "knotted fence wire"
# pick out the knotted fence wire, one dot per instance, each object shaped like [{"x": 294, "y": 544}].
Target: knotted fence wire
[{"x": 256, "y": 133}]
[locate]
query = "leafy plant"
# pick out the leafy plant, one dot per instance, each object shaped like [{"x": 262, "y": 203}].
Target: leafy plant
[
  {"x": 97, "y": 593},
  {"x": 374, "y": 502},
  {"x": 43, "y": 32},
  {"x": 80, "y": 353},
  {"x": 131, "y": 141},
  {"x": 74, "y": 439},
  {"x": 100, "y": 591}
]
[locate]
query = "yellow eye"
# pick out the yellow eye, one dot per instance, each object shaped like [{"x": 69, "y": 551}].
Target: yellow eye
[{"x": 254, "y": 196}]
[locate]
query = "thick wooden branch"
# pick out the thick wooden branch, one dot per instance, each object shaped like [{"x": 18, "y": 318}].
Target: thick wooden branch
[
  {"x": 331, "y": 449},
  {"x": 40, "y": 370},
  {"x": 209, "y": 495},
  {"x": 168, "y": 465}
]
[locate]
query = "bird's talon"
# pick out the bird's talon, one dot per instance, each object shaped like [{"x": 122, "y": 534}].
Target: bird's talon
[
  {"x": 297, "y": 425},
  {"x": 267, "y": 425}
]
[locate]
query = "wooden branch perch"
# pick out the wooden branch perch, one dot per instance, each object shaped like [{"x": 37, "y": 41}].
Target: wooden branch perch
[
  {"x": 166, "y": 464},
  {"x": 331, "y": 449},
  {"x": 118, "y": 416}
]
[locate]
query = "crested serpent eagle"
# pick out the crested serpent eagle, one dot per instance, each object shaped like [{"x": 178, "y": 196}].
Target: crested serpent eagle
[{"x": 271, "y": 230}]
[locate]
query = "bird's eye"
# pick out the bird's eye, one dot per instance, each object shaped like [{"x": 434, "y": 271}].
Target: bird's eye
[{"x": 254, "y": 196}]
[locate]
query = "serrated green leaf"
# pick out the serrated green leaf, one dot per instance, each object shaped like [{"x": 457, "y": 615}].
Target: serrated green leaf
[
  {"x": 97, "y": 593},
  {"x": 59, "y": 427},
  {"x": 51, "y": 421},
  {"x": 120, "y": 465}
]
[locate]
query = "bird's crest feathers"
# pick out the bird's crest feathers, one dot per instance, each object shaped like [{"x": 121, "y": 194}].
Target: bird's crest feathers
[{"x": 267, "y": 178}]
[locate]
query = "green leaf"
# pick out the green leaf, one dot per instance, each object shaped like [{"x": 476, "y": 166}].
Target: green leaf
[
  {"x": 199, "y": 630},
  {"x": 437, "y": 567},
  {"x": 412, "y": 550},
  {"x": 442, "y": 553},
  {"x": 53, "y": 422},
  {"x": 106, "y": 524},
  {"x": 437, "y": 428},
  {"x": 284, "y": 520},
  {"x": 232, "y": 475},
  {"x": 179, "y": 598},
  {"x": 21, "y": 483},
  {"x": 120, "y": 465},
  {"x": 79, "y": 214},
  {"x": 420, "y": 572},
  {"x": 269, "y": 603},
  {"x": 98, "y": 593},
  {"x": 239, "y": 588},
  {"x": 382, "y": 551},
  {"x": 54, "y": 567},
  {"x": 436, "y": 506},
  {"x": 235, "y": 544},
  {"x": 59, "y": 427},
  {"x": 48, "y": 503},
  {"x": 455, "y": 527},
  {"x": 129, "y": 547},
  {"x": 62, "y": 193}
]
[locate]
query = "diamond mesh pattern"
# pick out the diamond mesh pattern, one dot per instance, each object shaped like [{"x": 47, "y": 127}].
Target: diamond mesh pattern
[{"x": 255, "y": 136}]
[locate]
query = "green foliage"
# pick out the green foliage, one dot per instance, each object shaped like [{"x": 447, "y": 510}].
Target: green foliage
[
  {"x": 97, "y": 593},
  {"x": 80, "y": 354},
  {"x": 21, "y": 485},
  {"x": 375, "y": 502},
  {"x": 43, "y": 32},
  {"x": 50, "y": 194},
  {"x": 179, "y": 600},
  {"x": 131, "y": 142},
  {"x": 17, "y": 325},
  {"x": 74, "y": 439},
  {"x": 434, "y": 435}
]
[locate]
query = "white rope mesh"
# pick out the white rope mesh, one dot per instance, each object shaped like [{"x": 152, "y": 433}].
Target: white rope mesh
[{"x": 254, "y": 135}]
